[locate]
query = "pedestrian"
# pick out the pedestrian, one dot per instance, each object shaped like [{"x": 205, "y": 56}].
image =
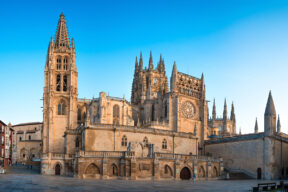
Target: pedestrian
[{"x": 194, "y": 177}]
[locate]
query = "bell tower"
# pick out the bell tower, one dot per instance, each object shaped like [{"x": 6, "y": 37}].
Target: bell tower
[{"x": 60, "y": 90}]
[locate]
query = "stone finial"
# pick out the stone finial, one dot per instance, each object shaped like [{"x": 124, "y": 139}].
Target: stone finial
[
  {"x": 270, "y": 117},
  {"x": 256, "y": 126},
  {"x": 225, "y": 110},
  {"x": 173, "y": 79},
  {"x": 214, "y": 110},
  {"x": 278, "y": 125},
  {"x": 150, "y": 68},
  {"x": 270, "y": 108},
  {"x": 141, "y": 62}
]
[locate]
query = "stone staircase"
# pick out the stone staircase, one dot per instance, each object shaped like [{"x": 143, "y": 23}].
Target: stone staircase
[{"x": 239, "y": 174}]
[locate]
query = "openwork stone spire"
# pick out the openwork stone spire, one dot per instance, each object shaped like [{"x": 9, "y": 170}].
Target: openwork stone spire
[{"x": 62, "y": 38}]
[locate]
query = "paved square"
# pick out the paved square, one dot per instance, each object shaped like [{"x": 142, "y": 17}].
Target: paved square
[{"x": 36, "y": 182}]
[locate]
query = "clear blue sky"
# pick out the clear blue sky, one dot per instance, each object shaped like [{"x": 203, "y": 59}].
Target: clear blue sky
[{"x": 240, "y": 46}]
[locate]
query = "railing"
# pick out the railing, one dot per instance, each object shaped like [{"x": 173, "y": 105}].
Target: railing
[
  {"x": 208, "y": 158},
  {"x": 58, "y": 155},
  {"x": 174, "y": 156},
  {"x": 84, "y": 100}
]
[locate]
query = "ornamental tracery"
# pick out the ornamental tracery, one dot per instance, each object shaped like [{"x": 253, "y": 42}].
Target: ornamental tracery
[{"x": 188, "y": 109}]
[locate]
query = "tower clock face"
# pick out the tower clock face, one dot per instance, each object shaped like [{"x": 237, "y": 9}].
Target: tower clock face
[{"x": 188, "y": 109}]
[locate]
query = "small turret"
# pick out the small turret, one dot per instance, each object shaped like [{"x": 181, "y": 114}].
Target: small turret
[
  {"x": 225, "y": 110},
  {"x": 136, "y": 66},
  {"x": 214, "y": 111},
  {"x": 256, "y": 126},
  {"x": 141, "y": 62},
  {"x": 173, "y": 79},
  {"x": 278, "y": 125},
  {"x": 150, "y": 68},
  {"x": 270, "y": 117},
  {"x": 232, "y": 115}
]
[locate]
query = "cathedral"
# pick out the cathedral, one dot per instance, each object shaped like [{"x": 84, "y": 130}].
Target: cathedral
[{"x": 159, "y": 134}]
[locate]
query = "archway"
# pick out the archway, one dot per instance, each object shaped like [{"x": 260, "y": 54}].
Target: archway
[
  {"x": 92, "y": 170},
  {"x": 201, "y": 172},
  {"x": 215, "y": 172},
  {"x": 114, "y": 170},
  {"x": 259, "y": 173},
  {"x": 168, "y": 171},
  {"x": 185, "y": 174},
  {"x": 57, "y": 169}
]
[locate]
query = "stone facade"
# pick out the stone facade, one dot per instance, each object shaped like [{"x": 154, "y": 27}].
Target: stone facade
[
  {"x": 159, "y": 135},
  {"x": 27, "y": 141},
  {"x": 6, "y": 142},
  {"x": 260, "y": 155}
]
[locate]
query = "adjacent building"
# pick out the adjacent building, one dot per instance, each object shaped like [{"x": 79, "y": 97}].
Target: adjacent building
[
  {"x": 6, "y": 141},
  {"x": 261, "y": 155},
  {"x": 27, "y": 142}
]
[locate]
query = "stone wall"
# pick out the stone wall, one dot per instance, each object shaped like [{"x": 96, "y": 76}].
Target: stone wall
[{"x": 239, "y": 154}]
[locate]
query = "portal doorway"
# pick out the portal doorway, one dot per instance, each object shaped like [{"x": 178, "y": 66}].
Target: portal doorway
[
  {"x": 57, "y": 169},
  {"x": 259, "y": 173},
  {"x": 185, "y": 174}
]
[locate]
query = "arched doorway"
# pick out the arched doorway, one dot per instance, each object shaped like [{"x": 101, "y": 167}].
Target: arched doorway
[
  {"x": 201, "y": 172},
  {"x": 259, "y": 173},
  {"x": 92, "y": 171},
  {"x": 57, "y": 169},
  {"x": 114, "y": 170},
  {"x": 185, "y": 174},
  {"x": 215, "y": 172}
]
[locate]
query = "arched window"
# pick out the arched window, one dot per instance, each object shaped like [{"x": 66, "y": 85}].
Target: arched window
[
  {"x": 77, "y": 142},
  {"x": 166, "y": 110},
  {"x": 29, "y": 137},
  {"x": 65, "y": 83},
  {"x": 164, "y": 144},
  {"x": 152, "y": 113},
  {"x": 58, "y": 79},
  {"x": 116, "y": 115},
  {"x": 61, "y": 108},
  {"x": 58, "y": 60},
  {"x": 124, "y": 141},
  {"x": 65, "y": 66},
  {"x": 79, "y": 115},
  {"x": 145, "y": 141},
  {"x": 20, "y": 138}
]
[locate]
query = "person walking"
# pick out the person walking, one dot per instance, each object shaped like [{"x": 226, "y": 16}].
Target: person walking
[{"x": 194, "y": 177}]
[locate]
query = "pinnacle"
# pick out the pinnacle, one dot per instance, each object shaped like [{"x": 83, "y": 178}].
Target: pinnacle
[{"x": 270, "y": 108}]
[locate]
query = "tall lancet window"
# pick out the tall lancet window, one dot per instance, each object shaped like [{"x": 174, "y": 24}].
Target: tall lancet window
[
  {"x": 65, "y": 61},
  {"x": 65, "y": 83},
  {"x": 58, "y": 63},
  {"x": 58, "y": 83},
  {"x": 116, "y": 114},
  {"x": 61, "y": 108}
]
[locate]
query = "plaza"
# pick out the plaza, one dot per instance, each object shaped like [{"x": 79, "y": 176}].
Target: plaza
[{"x": 23, "y": 179}]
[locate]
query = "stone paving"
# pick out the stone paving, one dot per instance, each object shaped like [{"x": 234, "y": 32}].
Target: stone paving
[
  {"x": 34, "y": 182},
  {"x": 25, "y": 180}
]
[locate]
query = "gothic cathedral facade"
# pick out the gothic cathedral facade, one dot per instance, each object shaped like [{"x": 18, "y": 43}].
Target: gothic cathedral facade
[{"x": 160, "y": 134}]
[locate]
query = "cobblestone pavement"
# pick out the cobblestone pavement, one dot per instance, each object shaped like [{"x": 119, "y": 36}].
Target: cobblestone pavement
[{"x": 35, "y": 182}]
